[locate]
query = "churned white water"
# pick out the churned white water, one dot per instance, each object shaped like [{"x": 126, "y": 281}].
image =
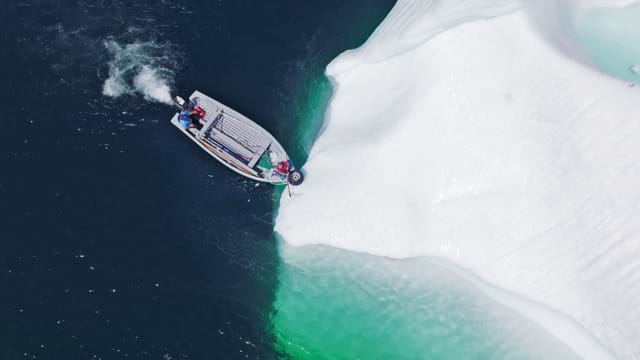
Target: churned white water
[
  {"x": 138, "y": 68},
  {"x": 153, "y": 87},
  {"x": 484, "y": 133}
]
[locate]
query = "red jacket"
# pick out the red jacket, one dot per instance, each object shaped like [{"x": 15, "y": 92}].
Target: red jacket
[
  {"x": 198, "y": 111},
  {"x": 283, "y": 167}
]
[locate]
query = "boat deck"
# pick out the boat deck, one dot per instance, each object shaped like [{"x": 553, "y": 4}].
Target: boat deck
[{"x": 236, "y": 141}]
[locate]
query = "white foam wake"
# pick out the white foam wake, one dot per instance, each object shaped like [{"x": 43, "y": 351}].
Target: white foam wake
[
  {"x": 493, "y": 145},
  {"x": 137, "y": 68},
  {"x": 148, "y": 83}
]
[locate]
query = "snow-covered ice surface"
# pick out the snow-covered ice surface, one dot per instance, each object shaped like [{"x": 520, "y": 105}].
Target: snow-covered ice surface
[{"x": 477, "y": 132}]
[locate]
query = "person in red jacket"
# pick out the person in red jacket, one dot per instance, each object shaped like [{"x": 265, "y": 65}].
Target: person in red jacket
[
  {"x": 196, "y": 114},
  {"x": 282, "y": 168}
]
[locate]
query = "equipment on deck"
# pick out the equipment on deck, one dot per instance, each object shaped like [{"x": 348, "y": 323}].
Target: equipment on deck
[{"x": 237, "y": 142}]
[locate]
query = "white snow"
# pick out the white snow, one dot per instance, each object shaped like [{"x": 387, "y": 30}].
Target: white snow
[{"x": 474, "y": 132}]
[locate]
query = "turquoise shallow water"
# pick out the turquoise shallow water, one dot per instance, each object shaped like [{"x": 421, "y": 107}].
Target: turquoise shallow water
[
  {"x": 334, "y": 304},
  {"x": 611, "y": 36}
]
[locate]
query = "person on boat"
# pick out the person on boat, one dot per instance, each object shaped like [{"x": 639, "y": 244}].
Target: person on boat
[
  {"x": 282, "y": 169},
  {"x": 196, "y": 114},
  {"x": 185, "y": 120}
]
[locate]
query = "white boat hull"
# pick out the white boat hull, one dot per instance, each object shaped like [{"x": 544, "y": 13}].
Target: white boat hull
[{"x": 235, "y": 141}]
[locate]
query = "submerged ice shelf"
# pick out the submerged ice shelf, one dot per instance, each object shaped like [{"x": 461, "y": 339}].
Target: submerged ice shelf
[
  {"x": 336, "y": 304},
  {"x": 493, "y": 144}
]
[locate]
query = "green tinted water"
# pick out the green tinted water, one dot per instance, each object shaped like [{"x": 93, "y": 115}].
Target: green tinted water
[
  {"x": 612, "y": 37},
  {"x": 334, "y": 304}
]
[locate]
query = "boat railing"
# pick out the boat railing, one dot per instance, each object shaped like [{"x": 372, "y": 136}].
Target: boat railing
[
  {"x": 241, "y": 132},
  {"x": 246, "y": 141}
]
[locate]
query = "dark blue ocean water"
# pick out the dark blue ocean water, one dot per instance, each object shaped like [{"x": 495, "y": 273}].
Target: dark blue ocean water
[{"x": 118, "y": 237}]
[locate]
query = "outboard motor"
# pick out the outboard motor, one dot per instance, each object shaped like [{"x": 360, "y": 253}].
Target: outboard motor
[
  {"x": 183, "y": 104},
  {"x": 180, "y": 102}
]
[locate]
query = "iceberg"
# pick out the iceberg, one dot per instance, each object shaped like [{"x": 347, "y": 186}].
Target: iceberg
[{"x": 481, "y": 133}]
